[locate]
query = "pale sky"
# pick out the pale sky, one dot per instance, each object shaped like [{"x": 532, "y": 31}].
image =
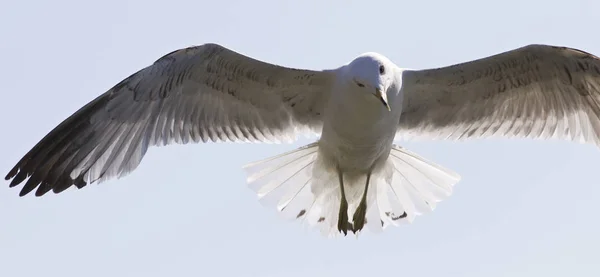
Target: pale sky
[{"x": 523, "y": 207}]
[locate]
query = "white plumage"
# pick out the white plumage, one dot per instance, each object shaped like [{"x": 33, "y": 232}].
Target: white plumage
[{"x": 354, "y": 175}]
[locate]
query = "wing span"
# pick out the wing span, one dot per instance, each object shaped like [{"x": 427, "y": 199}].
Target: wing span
[
  {"x": 537, "y": 91},
  {"x": 197, "y": 94}
]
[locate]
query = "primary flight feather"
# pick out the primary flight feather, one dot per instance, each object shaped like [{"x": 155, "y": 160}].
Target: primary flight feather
[{"x": 353, "y": 176}]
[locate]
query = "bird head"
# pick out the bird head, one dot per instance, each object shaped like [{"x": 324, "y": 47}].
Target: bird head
[{"x": 372, "y": 73}]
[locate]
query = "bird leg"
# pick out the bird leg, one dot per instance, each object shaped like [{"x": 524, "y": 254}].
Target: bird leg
[
  {"x": 358, "y": 219},
  {"x": 343, "y": 216}
]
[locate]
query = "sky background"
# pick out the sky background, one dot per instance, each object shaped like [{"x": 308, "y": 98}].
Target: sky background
[{"x": 523, "y": 207}]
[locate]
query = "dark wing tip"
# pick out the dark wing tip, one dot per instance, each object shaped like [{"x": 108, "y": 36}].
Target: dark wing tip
[
  {"x": 17, "y": 179},
  {"x": 49, "y": 163},
  {"x": 11, "y": 173},
  {"x": 41, "y": 165}
]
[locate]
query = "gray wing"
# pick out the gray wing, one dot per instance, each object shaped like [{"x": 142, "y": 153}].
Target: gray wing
[
  {"x": 203, "y": 93},
  {"x": 537, "y": 91}
]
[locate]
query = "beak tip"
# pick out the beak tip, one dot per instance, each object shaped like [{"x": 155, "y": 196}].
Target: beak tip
[{"x": 383, "y": 99}]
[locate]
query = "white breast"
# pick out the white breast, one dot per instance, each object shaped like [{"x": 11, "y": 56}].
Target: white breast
[{"x": 357, "y": 130}]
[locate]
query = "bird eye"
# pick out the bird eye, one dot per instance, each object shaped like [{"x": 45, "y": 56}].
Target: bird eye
[{"x": 381, "y": 69}]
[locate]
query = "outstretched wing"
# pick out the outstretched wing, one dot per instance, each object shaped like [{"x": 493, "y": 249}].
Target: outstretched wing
[
  {"x": 537, "y": 91},
  {"x": 201, "y": 93}
]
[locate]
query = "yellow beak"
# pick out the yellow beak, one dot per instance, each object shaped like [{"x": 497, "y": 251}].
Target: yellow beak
[{"x": 383, "y": 97}]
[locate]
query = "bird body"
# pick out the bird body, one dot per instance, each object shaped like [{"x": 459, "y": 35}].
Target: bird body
[
  {"x": 354, "y": 147},
  {"x": 357, "y": 131},
  {"x": 353, "y": 175}
]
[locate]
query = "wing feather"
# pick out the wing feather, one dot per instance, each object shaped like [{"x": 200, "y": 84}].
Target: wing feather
[
  {"x": 537, "y": 91},
  {"x": 196, "y": 94}
]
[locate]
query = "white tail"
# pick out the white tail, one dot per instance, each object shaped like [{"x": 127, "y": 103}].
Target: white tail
[
  {"x": 414, "y": 187},
  {"x": 304, "y": 190}
]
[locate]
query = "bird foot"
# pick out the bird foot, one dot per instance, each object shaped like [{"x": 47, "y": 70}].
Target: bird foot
[
  {"x": 359, "y": 216},
  {"x": 343, "y": 217}
]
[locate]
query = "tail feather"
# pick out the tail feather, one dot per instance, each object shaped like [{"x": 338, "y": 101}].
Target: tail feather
[
  {"x": 268, "y": 175},
  {"x": 417, "y": 184},
  {"x": 374, "y": 220},
  {"x": 300, "y": 186},
  {"x": 389, "y": 208},
  {"x": 285, "y": 180},
  {"x": 295, "y": 183}
]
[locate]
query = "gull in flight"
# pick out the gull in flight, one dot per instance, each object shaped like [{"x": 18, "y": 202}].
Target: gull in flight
[{"x": 354, "y": 175}]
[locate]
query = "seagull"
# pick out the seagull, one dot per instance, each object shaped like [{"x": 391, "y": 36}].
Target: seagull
[{"x": 354, "y": 175}]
